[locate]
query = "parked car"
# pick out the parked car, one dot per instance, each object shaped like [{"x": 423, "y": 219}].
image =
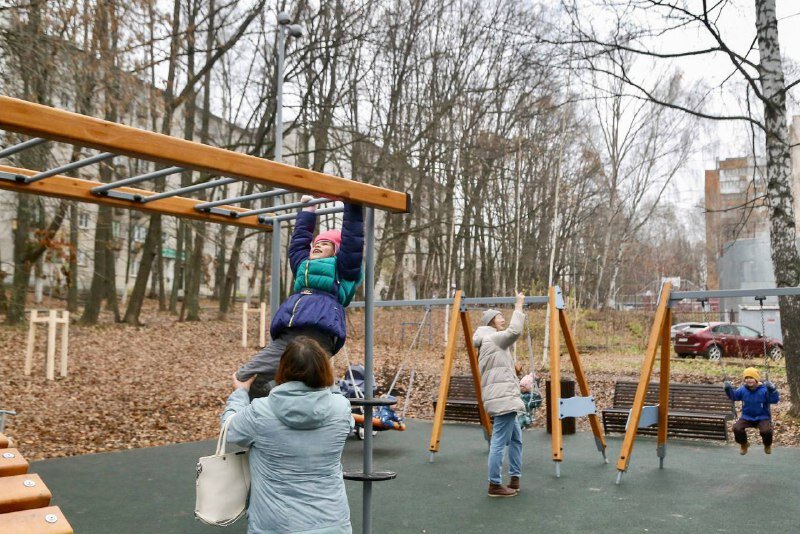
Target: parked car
[
  {"x": 680, "y": 327},
  {"x": 715, "y": 340}
]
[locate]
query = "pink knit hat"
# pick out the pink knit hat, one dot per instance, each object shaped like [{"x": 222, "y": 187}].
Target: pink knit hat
[{"x": 334, "y": 236}]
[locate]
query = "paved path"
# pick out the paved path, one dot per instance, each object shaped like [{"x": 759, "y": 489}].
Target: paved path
[{"x": 704, "y": 488}]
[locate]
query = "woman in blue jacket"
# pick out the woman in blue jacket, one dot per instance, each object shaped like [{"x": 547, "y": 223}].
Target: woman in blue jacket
[
  {"x": 296, "y": 436},
  {"x": 756, "y": 398},
  {"x": 327, "y": 271}
]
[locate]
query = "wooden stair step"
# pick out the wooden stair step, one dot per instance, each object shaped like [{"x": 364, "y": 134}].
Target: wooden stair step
[
  {"x": 3, "y": 441},
  {"x": 12, "y": 463},
  {"x": 23, "y": 492},
  {"x": 48, "y": 520}
]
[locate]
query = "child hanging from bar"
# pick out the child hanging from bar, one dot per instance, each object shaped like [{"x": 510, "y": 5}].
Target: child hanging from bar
[
  {"x": 756, "y": 398},
  {"x": 327, "y": 271}
]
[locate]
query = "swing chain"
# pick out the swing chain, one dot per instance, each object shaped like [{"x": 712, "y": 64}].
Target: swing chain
[{"x": 761, "y": 300}]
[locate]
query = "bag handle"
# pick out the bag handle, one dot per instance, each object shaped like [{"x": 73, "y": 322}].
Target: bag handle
[{"x": 223, "y": 436}]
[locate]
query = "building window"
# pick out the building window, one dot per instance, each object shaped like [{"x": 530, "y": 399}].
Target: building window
[
  {"x": 116, "y": 229},
  {"x": 82, "y": 258},
  {"x": 83, "y": 220},
  {"x": 139, "y": 233}
]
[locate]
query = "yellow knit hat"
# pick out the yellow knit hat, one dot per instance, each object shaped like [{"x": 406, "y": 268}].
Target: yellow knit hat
[{"x": 751, "y": 372}]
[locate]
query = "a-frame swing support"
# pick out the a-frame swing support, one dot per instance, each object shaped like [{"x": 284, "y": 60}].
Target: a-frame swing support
[
  {"x": 642, "y": 416},
  {"x": 560, "y": 408},
  {"x": 578, "y": 406}
]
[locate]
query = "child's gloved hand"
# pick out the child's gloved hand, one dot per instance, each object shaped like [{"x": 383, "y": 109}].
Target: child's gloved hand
[
  {"x": 308, "y": 198},
  {"x": 727, "y": 384},
  {"x": 770, "y": 385}
]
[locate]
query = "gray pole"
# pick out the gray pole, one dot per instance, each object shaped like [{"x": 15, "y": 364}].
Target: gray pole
[
  {"x": 275, "y": 281},
  {"x": 369, "y": 335},
  {"x": 279, "y": 96}
]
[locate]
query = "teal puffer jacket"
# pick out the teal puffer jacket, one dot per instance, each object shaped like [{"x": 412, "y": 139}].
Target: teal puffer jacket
[{"x": 321, "y": 274}]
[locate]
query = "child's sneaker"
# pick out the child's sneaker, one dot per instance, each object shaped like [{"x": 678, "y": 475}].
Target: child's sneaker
[
  {"x": 743, "y": 449},
  {"x": 767, "y": 449}
]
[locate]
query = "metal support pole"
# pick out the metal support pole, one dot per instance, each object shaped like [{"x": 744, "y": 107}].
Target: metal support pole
[
  {"x": 19, "y": 147},
  {"x": 275, "y": 280},
  {"x": 369, "y": 335},
  {"x": 70, "y": 167}
]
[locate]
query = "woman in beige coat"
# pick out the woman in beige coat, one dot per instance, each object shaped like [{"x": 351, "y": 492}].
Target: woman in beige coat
[{"x": 501, "y": 397}]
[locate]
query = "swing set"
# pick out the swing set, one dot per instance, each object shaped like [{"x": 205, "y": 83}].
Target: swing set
[
  {"x": 642, "y": 416},
  {"x": 578, "y": 406}
]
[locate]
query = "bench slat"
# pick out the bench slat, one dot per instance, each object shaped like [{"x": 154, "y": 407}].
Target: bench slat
[{"x": 3, "y": 441}]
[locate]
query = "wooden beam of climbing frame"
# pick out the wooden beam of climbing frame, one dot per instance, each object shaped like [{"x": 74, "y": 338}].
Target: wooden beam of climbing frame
[
  {"x": 78, "y": 189},
  {"x": 59, "y": 125},
  {"x": 653, "y": 342}
]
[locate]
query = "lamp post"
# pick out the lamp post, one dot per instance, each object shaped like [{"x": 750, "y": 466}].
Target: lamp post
[{"x": 294, "y": 30}]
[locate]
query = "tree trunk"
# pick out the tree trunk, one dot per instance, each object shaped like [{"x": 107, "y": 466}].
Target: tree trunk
[{"x": 779, "y": 178}]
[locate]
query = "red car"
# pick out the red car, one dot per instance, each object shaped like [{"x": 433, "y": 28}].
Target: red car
[{"x": 714, "y": 340}]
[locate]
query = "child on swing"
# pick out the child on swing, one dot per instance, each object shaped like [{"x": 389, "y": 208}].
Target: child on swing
[
  {"x": 327, "y": 271},
  {"x": 756, "y": 398}
]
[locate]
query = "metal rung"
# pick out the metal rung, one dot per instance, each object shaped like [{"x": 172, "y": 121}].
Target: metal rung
[
  {"x": 235, "y": 200},
  {"x": 70, "y": 167},
  {"x": 291, "y": 216},
  {"x": 19, "y": 147},
  {"x": 101, "y": 189},
  {"x": 190, "y": 189},
  {"x": 576, "y": 407},
  {"x": 282, "y": 207}
]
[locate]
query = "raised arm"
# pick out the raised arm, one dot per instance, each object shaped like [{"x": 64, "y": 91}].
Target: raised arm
[
  {"x": 302, "y": 235},
  {"x": 506, "y": 338},
  {"x": 351, "y": 251},
  {"x": 242, "y": 430}
]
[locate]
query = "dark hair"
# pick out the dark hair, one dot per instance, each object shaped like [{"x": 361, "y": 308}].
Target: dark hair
[{"x": 304, "y": 360}]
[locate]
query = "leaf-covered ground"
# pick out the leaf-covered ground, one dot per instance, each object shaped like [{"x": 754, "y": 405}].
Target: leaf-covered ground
[{"x": 166, "y": 382}]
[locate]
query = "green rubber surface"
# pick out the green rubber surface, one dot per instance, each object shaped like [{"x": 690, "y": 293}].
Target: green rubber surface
[{"x": 703, "y": 488}]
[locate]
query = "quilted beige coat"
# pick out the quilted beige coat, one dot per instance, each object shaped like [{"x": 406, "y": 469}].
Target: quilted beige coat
[{"x": 499, "y": 382}]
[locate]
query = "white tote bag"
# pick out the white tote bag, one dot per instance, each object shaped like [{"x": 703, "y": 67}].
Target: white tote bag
[{"x": 223, "y": 482}]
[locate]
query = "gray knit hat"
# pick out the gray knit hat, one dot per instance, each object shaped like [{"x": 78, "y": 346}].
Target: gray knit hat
[{"x": 488, "y": 316}]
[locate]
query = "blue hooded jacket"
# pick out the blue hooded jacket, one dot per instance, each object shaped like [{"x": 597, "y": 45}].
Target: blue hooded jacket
[
  {"x": 323, "y": 287},
  {"x": 755, "y": 402},
  {"x": 296, "y": 437}
]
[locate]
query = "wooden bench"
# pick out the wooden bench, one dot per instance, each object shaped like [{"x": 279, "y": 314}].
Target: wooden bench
[
  {"x": 462, "y": 404},
  {"x": 3, "y": 441},
  {"x": 699, "y": 411}
]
